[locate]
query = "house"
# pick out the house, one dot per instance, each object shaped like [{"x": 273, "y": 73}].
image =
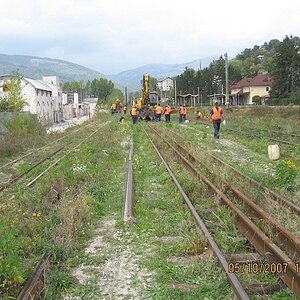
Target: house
[
  {"x": 42, "y": 97},
  {"x": 165, "y": 84},
  {"x": 243, "y": 91}
]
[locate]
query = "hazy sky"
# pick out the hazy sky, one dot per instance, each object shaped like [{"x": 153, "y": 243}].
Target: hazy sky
[{"x": 114, "y": 35}]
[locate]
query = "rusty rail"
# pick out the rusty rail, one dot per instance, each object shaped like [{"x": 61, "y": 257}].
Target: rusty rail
[
  {"x": 41, "y": 148},
  {"x": 237, "y": 287},
  {"x": 258, "y": 135},
  {"x": 128, "y": 205},
  {"x": 17, "y": 178},
  {"x": 284, "y": 237},
  {"x": 276, "y": 197},
  {"x": 34, "y": 286},
  {"x": 258, "y": 239},
  {"x": 33, "y": 181}
]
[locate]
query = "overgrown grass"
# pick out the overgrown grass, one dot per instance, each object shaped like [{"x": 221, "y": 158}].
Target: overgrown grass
[
  {"x": 24, "y": 131},
  {"x": 161, "y": 212},
  {"x": 30, "y": 225}
]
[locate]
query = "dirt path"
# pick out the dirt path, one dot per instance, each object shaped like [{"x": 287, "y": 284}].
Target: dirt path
[{"x": 112, "y": 265}]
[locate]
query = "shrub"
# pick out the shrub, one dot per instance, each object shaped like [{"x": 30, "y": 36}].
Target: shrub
[
  {"x": 24, "y": 130},
  {"x": 256, "y": 99}
]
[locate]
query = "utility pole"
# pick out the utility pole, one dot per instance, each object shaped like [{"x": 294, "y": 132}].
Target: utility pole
[
  {"x": 175, "y": 91},
  {"x": 194, "y": 98},
  {"x": 226, "y": 80},
  {"x": 126, "y": 96},
  {"x": 198, "y": 95}
]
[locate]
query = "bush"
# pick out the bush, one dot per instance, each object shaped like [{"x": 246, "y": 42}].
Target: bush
[
  {"x": 295, "y": 96},
  {"x": 21, "y": 123},
  {"x": 24, "y": 131},
  {"x": 256, "y": 100}
]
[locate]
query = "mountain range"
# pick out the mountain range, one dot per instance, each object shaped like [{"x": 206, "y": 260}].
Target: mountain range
[
  {"x": 133, "y": 77},
  {"x": 36, "y": 67}
]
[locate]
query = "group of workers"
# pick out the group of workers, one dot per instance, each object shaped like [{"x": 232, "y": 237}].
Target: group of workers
[
  {"x": 114, "y": 109},
  {"x": 216, "y": 114},
  {"x": 159, "y": 111}
]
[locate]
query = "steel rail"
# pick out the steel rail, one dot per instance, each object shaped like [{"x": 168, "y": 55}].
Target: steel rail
[
  {"x": 237, "y": 287},
  {"x": 276, "y": 197},
  {"x": 128, "y": 205},
  {"x": 17, "y": 178},
  {"x": 284, "y": 237},
  {"x": 41, "y": 148},
  {"x": 261, "y": 129},
  {"x": 33, "y": 181},
  {"x": 263, "y": 244},
  {"x": 258, "y": 136},
  {"x": 35, "y": 284}
]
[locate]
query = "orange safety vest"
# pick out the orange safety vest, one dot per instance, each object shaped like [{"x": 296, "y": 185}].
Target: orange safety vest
[
  {"x": 134, "y": 111},
  {"x": 217, "y": 114},
  {"x": 181, "y": 111},
  {"x": 158, "y": 110},
  {"x": 184, "y": 110},
  {"x": 168, "y": 110}
]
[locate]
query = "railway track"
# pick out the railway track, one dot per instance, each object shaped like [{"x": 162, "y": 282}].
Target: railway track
[
  {"x": 50, "y": 144},
  {"x": 53, "y": 162},
  {"x": 286, "y": 239},
  {"x": 280, "y": 256},
  {"x": 129, "y": 190},
  {"x": 36, "y": 283},
  {"x": 259, "y": 135},
  {"x": 287, "y": 203}
]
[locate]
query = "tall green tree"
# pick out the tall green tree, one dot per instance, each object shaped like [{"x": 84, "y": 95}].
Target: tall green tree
[
  {"x": 12, "y": 100},
  {"x": 101, "y": 88},
  {"x": 105, "y": 88},
  {"x": 286, "y": 71}
]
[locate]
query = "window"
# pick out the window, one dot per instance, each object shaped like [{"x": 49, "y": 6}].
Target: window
[{"x": 267, "y": 88}]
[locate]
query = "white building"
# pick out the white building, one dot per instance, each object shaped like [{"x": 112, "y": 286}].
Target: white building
[
  {"x": 91, "y": 104},
  {"x": 42, "y": 97},
  {"x": 165, "y": 84}
]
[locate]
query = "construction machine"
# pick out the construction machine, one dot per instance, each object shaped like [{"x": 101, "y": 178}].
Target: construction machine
[{"x": 147, "y": 101}]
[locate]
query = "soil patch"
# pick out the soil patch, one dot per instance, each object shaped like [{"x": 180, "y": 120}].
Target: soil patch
[{"x": 119, "y": 276}]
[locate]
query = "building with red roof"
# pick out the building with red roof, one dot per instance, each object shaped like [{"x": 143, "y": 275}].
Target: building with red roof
[{"x": 243, "y": 91}]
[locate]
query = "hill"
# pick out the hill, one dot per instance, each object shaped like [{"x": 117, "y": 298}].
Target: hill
[
  {"x": 133, "y": 77},
  {"x": 35, "y": 67}
]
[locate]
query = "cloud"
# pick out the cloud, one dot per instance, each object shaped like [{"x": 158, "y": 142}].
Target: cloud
[{"x": 114, "y": 35}]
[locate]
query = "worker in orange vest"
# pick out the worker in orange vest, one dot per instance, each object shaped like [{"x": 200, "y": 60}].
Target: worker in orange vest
[
  {"x": 158, "y": 112},
  {"x": 124, "y": 109},
  {"x": 168, "y": 111},
  {"x": 134, "y": 114},
  {"x": 180, "y": 113},
  {"x": 216, "y": 114},
  {"x": 184, "y": 113}
]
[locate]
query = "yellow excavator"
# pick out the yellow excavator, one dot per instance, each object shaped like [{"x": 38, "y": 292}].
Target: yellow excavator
[{"x": 147, "y": 101}]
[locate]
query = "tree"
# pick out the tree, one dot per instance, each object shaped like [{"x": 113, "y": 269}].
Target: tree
[
  {"x": 152, "y": 83},
  {"x": 286, "y": 72},
  {"x": 87, "y": 89},
  {"x": 101, "y": 88},
  {"x": 12, "y": 99},
  {"x": 105, "y": 88}
]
